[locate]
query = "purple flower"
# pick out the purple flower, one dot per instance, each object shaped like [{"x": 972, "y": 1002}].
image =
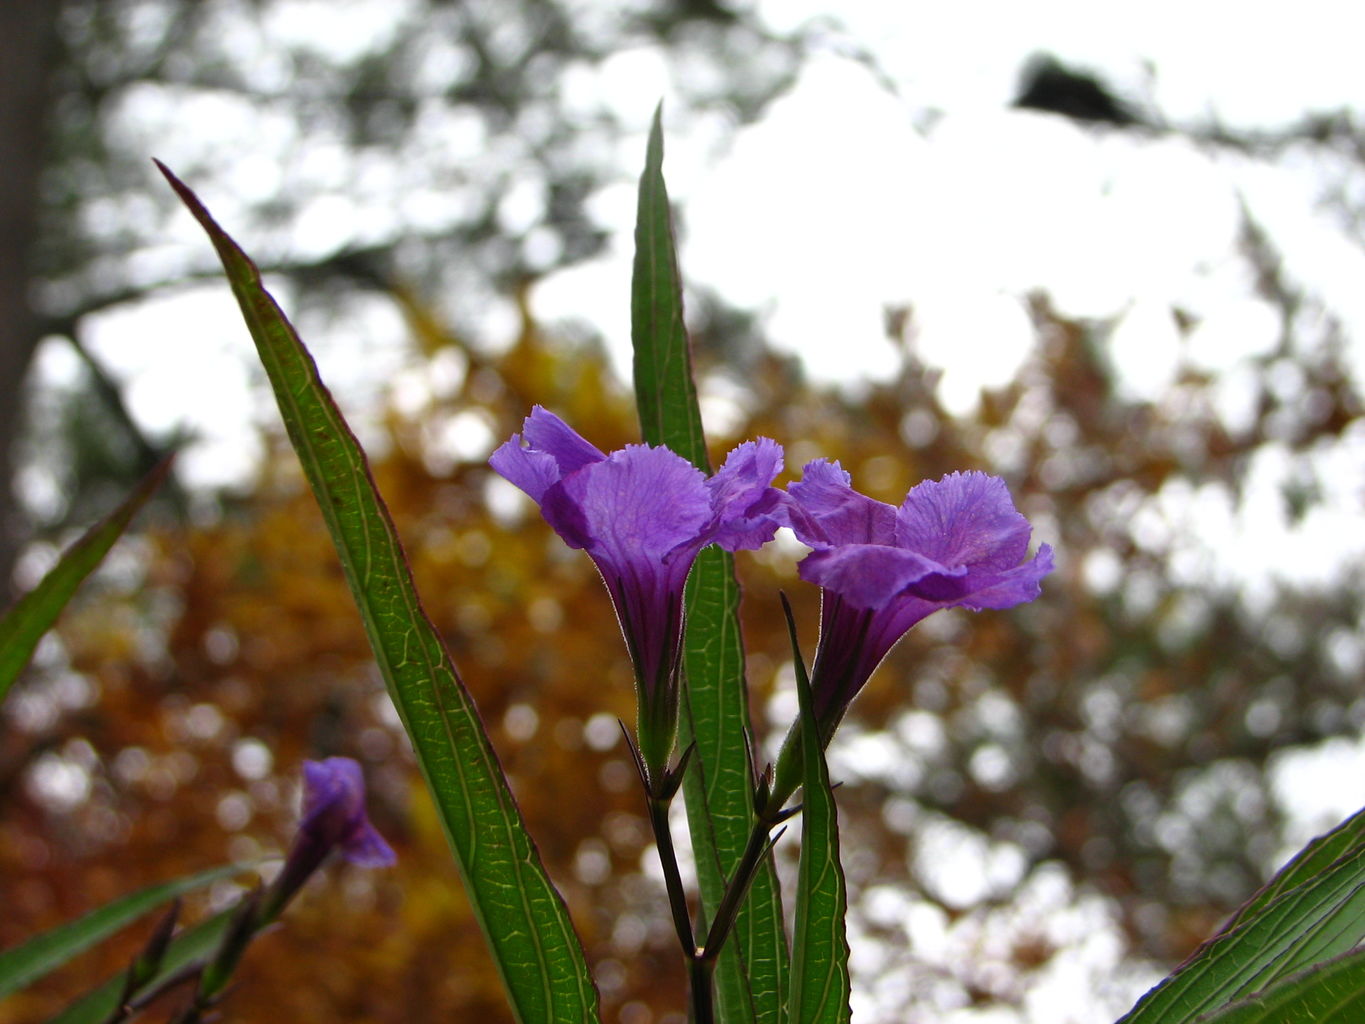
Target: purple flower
[
  {"x": 333, "y": 819},
  {"x": 334, "y": 813},
  {"x": 955, "y": 541},
  {"x": 642, "y": 514}
]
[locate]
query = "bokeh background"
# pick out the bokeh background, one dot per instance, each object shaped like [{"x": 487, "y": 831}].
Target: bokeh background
[{"x": 1111, "y": 255}]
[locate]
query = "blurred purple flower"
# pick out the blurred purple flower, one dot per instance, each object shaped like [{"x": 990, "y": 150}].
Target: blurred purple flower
[
  {"x": 642, "y": 514},
  {"x": 333, "y": 819},
  {"x": 334, "y": 813},
  {"x": 955, "y": 541}
]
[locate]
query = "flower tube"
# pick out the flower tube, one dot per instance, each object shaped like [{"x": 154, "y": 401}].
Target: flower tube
[
  {"x": 642, "y": 514},
  {"x": 958, "y": 541}
]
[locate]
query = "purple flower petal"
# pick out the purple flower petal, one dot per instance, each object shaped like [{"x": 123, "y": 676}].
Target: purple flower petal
[
  {"x": 747, "y": 508},
  {"x": 334, "y": 812},
  {"x": 642, "y": 514},
  {"x": 828, "y": 512},
  {"x": 745, "y": 476},
  {"x": 963, "y": 519},
  {"x": 534, "y": 472},
  {"x": 546, "y": 432},
  {"x": 333, "y": 795},
  {"x": 545, "y": 451},
  {"x": 1008, "y": 588},
  {"x": 870, "y": 575},
  {"x": 640, "y": 504},
  {"x": 366, "y": 848},
  {"x": 953, "y": 542}
]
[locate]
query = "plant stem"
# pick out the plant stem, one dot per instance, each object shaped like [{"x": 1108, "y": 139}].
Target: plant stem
[
  {"x": 754, "y": 851},
  {"x": 659, "y": 790},
  {"x": 668, "y": 858},
  {"x": 699, "y": 971}
]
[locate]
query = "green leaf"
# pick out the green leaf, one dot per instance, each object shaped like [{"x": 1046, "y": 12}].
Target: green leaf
[
  {"x": 751, "y": 972},
  {"x": 1331, "y": 993},
  {"x": 820, "y": 985},
  {"x": 523, "y": 917},
  {"x": 1320, "y": 916},
  {"x": 24, "y": 964},
  {"x": 665, "y": 393},
  {"x": 34, "y": 613},
  {"x": 1320, "y": 853},
  {"x": 190, "y": 946}
]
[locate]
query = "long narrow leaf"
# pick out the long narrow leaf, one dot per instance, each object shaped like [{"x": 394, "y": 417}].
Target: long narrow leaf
[
  {"x": 751, "y": 972},
  {"x": 1332, "y": 993},
  {"x": 33, "y": 614},
  {"x": 820, "y": 985},
  {"x": 523, "y": 917},
  {"x": 665, "y": 392},
  {"x": 1322, "y": 917},
  {"x": 1319, "y": 854},
  {"x": 24, "y": 964},
  {"x": 190, "y": 946}
]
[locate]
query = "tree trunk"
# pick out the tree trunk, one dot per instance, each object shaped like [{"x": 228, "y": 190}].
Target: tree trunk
[{"x": 28, "y": 52}]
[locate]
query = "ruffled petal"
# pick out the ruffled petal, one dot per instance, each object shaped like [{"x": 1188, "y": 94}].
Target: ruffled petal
[
  {"x": 1009, "y": 588},
  {"x": 745, "y": 476},
  {"x": 531, "y": 470},
  {"x": 548, "y": 433},
  {"x": 963, "y": 519},
  {"x": 870, "y": 575},
  {"x": 748, "y": 510},
  {"x": 640, "y": 504},
  {"x": 828, "y": 512}
]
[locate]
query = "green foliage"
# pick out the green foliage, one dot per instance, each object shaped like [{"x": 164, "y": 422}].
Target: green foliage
[
  {"x": 665, "y": 392},
  {"x": 750, "y": 974},
  {"x": 1346, "y": 840},
  {"x": 191, "y": 946},
  {"x": 752, "y": 970},
  {"x": 33, "y": 614},
  {"x": 1318, "y": 917},
  {"x": 1330, "y": 993},
  {"x": 820, "y": 981},
  {"x": 41, "y": 954},
  {"x": 523, "y": 916}
]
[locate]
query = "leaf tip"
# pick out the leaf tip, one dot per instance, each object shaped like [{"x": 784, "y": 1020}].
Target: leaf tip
[
  {"x": 654, "y": 149},
  {"x": 192, "y": 202},
  {"x": 181, "y": 189}
]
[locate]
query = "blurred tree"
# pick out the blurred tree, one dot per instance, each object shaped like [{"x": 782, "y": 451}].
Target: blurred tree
[
  {"x": 28, "y": 35},
  {"x": 1047, "y": 84},
  {"x": 453, "y": 147},
  {"x": 1100, "y": 766}
]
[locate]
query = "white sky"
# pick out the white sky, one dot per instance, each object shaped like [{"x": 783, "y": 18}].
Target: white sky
[
  {"x": 839, "y": 202},
  {"x": 836, "y": 205}
]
